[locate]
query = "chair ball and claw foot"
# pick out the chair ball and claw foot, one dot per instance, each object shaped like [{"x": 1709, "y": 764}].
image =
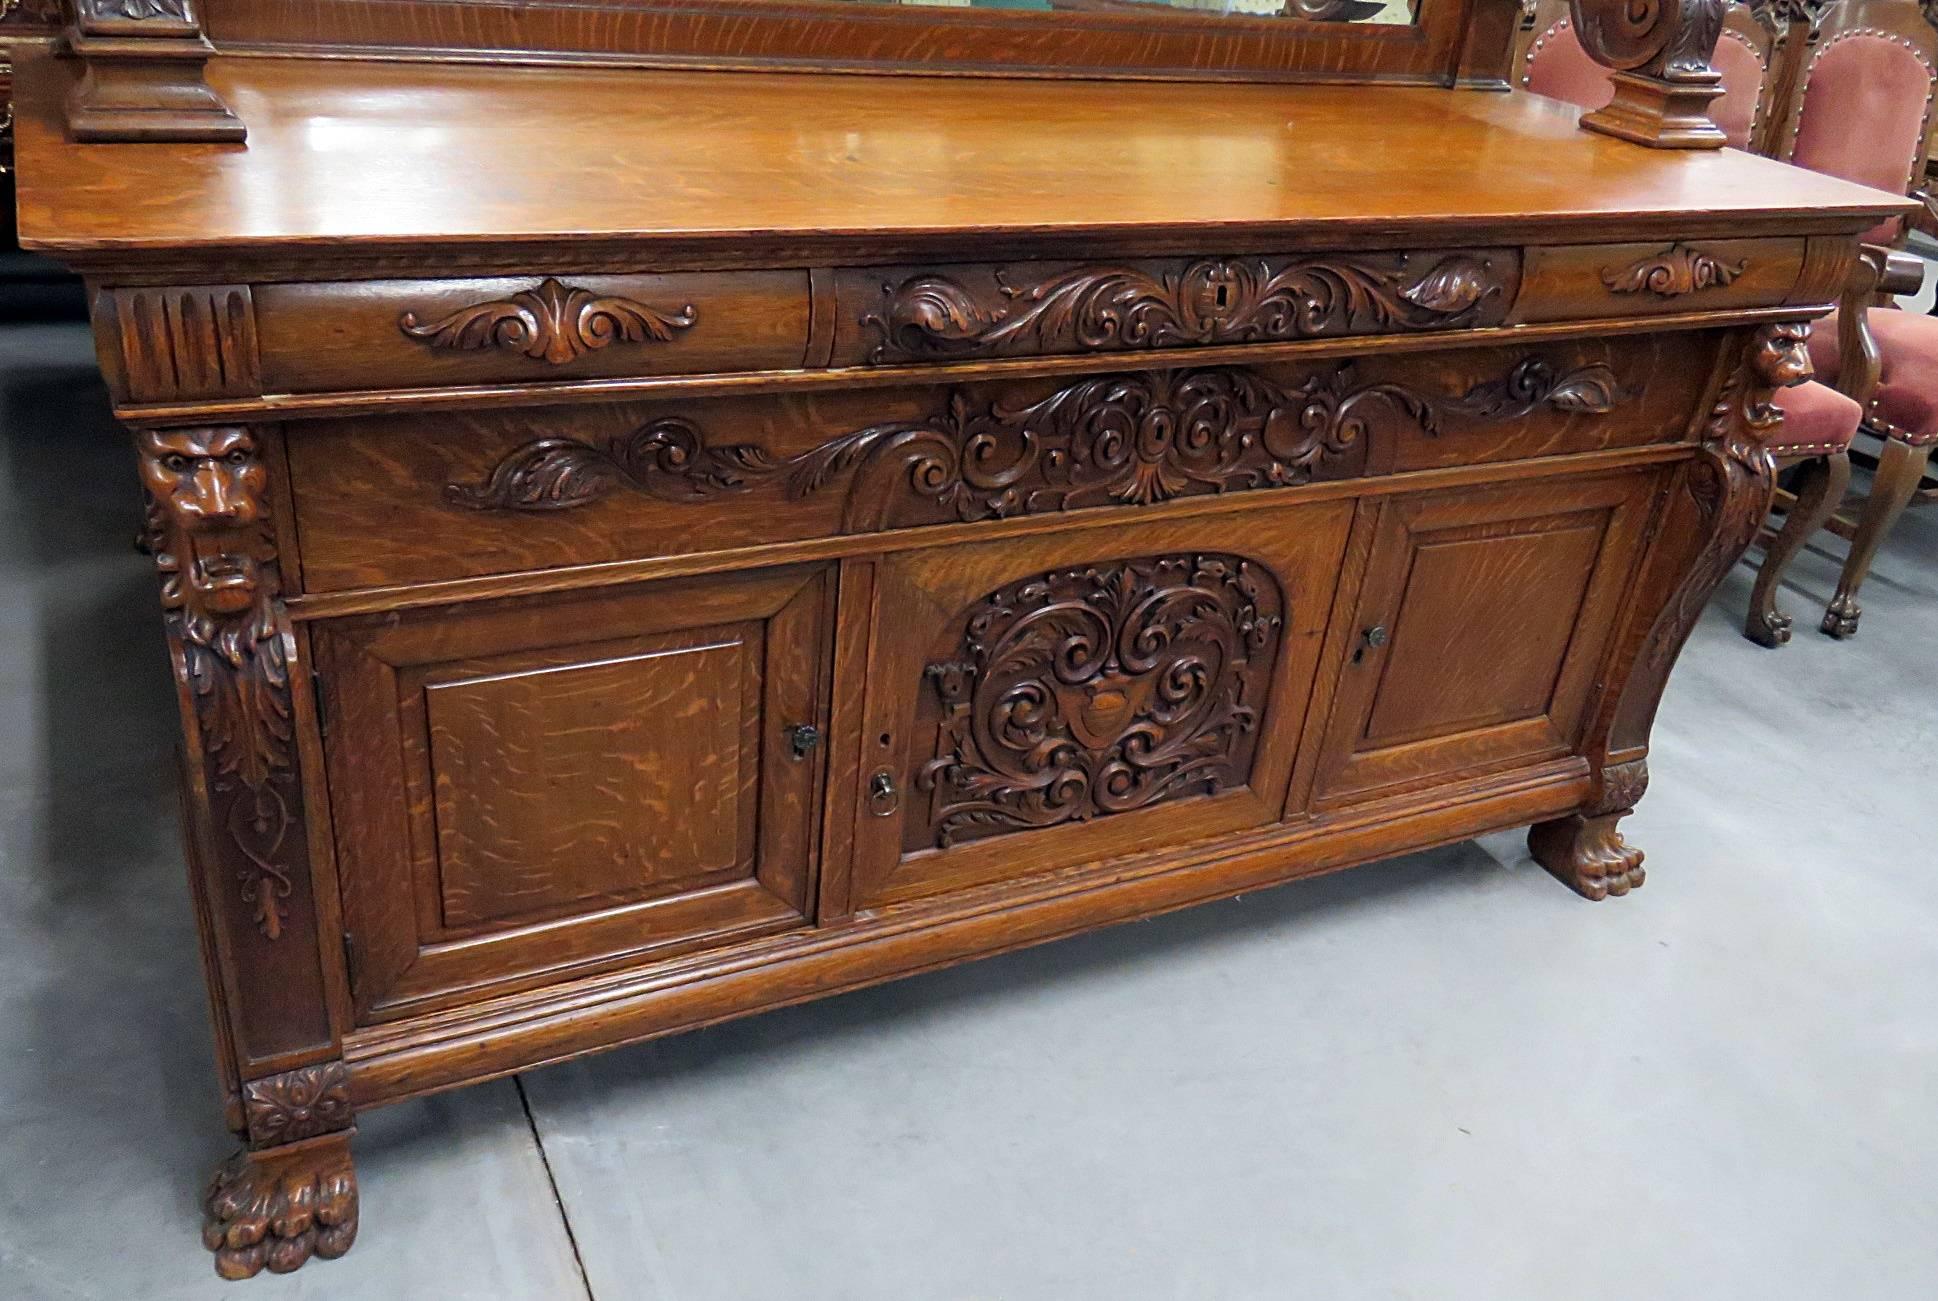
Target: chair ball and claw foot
[
  {"x": 277, "y": 1208},
  {"x": 1819, "y": 424}
]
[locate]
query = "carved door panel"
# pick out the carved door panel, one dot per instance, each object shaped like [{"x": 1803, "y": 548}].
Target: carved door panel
[
  {"x": 528, "y": 789},
  {"x": 1479, "y": 629},
  {"x": 1042, "y": 702}
]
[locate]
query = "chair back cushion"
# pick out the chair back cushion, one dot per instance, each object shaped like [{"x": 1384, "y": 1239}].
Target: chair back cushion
[
  {"x": 1559, "y": 68},
  {"x": 1743, "y": 73},
  {"x": 1863, "y": 114}
]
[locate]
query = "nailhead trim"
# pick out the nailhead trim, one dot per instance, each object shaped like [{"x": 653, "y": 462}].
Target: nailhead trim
[{"x": 1924, "y": 129}]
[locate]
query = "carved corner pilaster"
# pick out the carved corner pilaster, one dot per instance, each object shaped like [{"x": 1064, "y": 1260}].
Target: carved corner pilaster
[
  {"x": 145, "y": 75},
  {"x": 1660, "y": 53}
]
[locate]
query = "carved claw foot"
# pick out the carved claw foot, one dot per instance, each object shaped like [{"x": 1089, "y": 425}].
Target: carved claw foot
[
  {"x": 1840, "y": 620},
  {"x": 279, "y": 1207},
  {"x": 1771, "y": 629},
  {"x": 1587, "y": 854}
]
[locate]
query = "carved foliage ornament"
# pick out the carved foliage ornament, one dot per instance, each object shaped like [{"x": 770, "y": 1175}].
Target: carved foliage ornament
[
  {"x": 277, "y": 1210},
  {"x": 554, "y": 323},
  {"x": 208, "y": 529},
  {"x": 1115, "y": 439},
  {"x": 1228, "y": 300},
  {"x": 1090, "y": 691},
  {"x": 1675, "y": 271}
]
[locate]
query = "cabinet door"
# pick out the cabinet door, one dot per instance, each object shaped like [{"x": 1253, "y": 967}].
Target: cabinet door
[
  {"x": 1480, "y": 626},
  {"x": 1041, "y": 702},
  {"x": 540, "y": 787}
]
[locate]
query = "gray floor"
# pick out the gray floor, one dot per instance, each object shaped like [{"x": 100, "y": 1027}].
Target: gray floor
[{"x": 1442, "y": 1077}]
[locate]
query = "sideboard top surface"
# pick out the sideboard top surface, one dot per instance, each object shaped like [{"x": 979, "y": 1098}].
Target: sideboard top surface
[{"x": 352, "y": 155}]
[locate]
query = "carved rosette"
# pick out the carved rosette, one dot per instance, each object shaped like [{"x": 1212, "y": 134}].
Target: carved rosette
[
  {"x": 1675, "y": 271},
  {"x": 554, "y": 322},
  {"x": 1225, "y": 300},
  {"x": 1086, "y": 692},
  {"x": 1129, "y": 439},
  {"x": 298, "y": 1104},
  {"x": 208, "y": 529}
]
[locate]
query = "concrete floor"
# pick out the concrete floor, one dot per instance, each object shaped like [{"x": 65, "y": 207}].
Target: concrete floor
[{"x": 1443, "y": 1077}]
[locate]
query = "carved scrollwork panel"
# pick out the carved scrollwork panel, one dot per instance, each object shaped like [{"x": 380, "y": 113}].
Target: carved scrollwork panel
[
  {"x": 1122, "y": 439},
  {"x": 1211, "y": 301},
  {"x": 554, "y": 322},
  {"x": 1090, "y": 691}
]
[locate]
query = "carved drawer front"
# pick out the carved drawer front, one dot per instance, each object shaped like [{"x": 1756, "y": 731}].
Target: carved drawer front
[
  {"x": 528, "y": 329},
  {"x": 1480, "y": 627},
  {"x": 1581, "y": 281},
  {"x": 407, "y": 499},
  {"x": 544, "y": 787},
  {"x": 890, "y": 315},
  {"x": 1039, "y": 703}
]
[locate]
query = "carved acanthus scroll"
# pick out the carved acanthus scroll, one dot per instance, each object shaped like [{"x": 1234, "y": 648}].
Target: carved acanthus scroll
[
  {"x": 1223, "y": 300},
  {"x": 1675, "y": 271},
  {"x": 1664, "y": 82},
  {"x": 553, "y": 322},
  {"x": 1130, "y": 439},
  {"x": 208, "y": 529},
  {"x": 1082, "y": 693}
]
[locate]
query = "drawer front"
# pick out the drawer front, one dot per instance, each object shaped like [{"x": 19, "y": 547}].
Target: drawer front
[
  {"x": 1591, "y": 281},
  {"x": 904, "y": 314},
  {"x": 546, "y": 787},
  {"x": 417, "y": 333},
  {"x": 408, "y": 499}
]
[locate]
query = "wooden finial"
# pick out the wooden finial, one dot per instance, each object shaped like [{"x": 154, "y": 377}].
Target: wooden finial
[
  {"x": 1664, "y": 84},
  {"x": 145, "y": 74}
]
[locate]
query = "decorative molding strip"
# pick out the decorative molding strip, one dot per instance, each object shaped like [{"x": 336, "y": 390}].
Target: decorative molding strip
[
  {"x": 1082, "y": 693},
  {"x": 193, "y": 341},
  {"x": 1125, "y": 439},
  {"x": 208, "y": 530},
  {"x": 554, "y": 322},
  {"x": 298, "y": 1104},
  {"x": 1225, "y": 300},
  {"x": 1675, "y": 271}
]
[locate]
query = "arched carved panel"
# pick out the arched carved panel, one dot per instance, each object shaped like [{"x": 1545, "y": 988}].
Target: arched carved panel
[{"x": 1088, "y": 691}]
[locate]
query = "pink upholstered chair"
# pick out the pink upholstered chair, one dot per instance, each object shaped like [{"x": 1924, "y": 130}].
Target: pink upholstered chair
[
  {"x": 1862, "y": 111},
  {"x": 1552, "y": 63},
  {"x": 1819, "y": 423}
]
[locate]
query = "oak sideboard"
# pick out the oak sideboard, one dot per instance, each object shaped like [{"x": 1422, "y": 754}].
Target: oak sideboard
[{"x": 659, "y": 520}]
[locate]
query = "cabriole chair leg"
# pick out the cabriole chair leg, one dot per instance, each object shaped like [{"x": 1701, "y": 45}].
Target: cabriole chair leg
[{"x": 1899, "y": 470}]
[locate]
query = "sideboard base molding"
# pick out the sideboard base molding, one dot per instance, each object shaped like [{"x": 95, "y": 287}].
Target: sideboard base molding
[{"x": 445, "y": 1050}]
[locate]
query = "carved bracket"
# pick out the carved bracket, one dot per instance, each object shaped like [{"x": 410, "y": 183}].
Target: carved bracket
[
  {"x": 208, "y": 531},
  {"x": 145, "y": 75},
  {"x": 1129, "y": 439},
  {"x": 1664, "y": 84}
]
